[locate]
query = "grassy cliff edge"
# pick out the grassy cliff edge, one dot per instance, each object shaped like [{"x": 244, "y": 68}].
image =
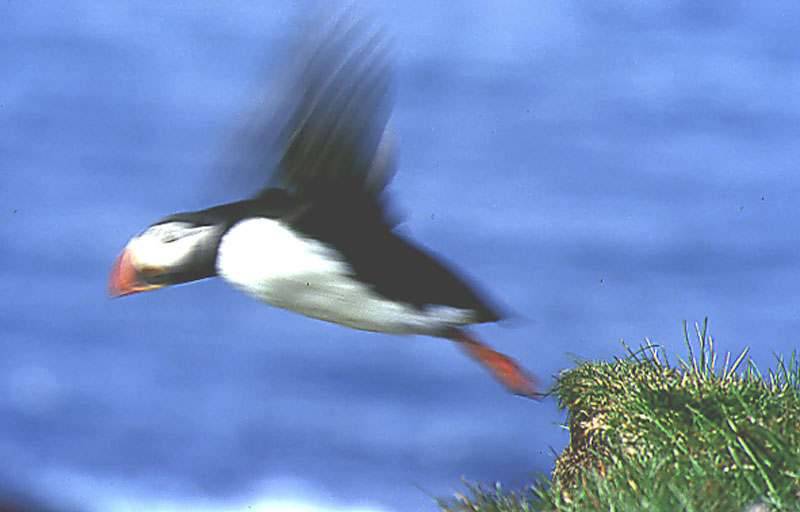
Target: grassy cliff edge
[{"x": 702, "y": 434}]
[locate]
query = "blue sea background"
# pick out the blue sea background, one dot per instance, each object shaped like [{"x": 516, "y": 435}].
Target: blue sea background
[{"x": 606, "y": 169}]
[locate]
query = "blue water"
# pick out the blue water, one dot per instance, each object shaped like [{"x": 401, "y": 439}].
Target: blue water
[{"x": 606, "y": 169}]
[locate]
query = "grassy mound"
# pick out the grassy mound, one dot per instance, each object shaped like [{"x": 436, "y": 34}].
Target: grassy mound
[{"x": 702, "y": 435}]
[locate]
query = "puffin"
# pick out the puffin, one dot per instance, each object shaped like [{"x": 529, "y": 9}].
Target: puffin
[{"x": 318, "y": 238}]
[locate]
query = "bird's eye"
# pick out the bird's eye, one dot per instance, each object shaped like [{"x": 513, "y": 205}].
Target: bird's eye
[
  {"x": 151, "y": 270},
  {"x": 169, "y": 232}
]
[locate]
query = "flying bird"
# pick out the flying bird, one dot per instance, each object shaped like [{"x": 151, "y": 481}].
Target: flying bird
[{"x": 317, "y": 239}]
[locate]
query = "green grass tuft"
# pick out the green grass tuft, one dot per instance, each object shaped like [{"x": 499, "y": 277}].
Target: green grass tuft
[{"x": 647, "y": 435}]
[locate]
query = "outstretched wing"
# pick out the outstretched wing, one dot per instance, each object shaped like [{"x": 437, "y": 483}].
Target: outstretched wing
[
  {"x": 326, "y": 134},
  {"x": 334, "y": 137}
]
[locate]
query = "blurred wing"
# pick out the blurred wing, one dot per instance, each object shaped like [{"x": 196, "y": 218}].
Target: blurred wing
[{"x": 333, "y": 136}]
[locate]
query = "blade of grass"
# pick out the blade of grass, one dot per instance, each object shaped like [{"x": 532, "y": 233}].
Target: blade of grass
[
  {"x": 689, "y": 345},
  {"x": 739, "y": 359}
]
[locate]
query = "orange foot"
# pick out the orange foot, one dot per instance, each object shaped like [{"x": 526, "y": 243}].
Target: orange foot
[{"x": 502, "y": 367}]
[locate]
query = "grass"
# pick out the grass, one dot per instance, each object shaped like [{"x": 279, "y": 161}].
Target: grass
[{"x": 699, "y": 435}]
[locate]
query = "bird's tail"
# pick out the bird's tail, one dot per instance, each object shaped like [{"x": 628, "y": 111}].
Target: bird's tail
[{"x": 503, "y": 368}]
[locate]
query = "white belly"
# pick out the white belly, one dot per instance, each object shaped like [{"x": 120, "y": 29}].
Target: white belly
[{"x": 266, "y": 260}]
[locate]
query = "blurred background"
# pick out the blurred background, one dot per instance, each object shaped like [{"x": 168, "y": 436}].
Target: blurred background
[{"x": 605, "y": 169}]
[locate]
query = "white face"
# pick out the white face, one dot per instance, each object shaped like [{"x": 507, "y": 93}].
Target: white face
[{"x": 166, "y": 246}]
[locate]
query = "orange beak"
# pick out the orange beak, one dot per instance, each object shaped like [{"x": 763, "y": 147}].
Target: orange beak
[{"x": 125, "y": 279}]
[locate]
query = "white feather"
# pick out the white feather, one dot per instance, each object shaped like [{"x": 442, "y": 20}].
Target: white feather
[{"x": 265, "y": 259}]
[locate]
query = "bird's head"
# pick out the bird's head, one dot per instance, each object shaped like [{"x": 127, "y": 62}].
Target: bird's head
[{"x": 174, "y": 250}]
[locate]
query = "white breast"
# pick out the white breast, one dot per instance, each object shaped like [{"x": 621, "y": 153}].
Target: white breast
[{"x": 268, "y": 261}]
